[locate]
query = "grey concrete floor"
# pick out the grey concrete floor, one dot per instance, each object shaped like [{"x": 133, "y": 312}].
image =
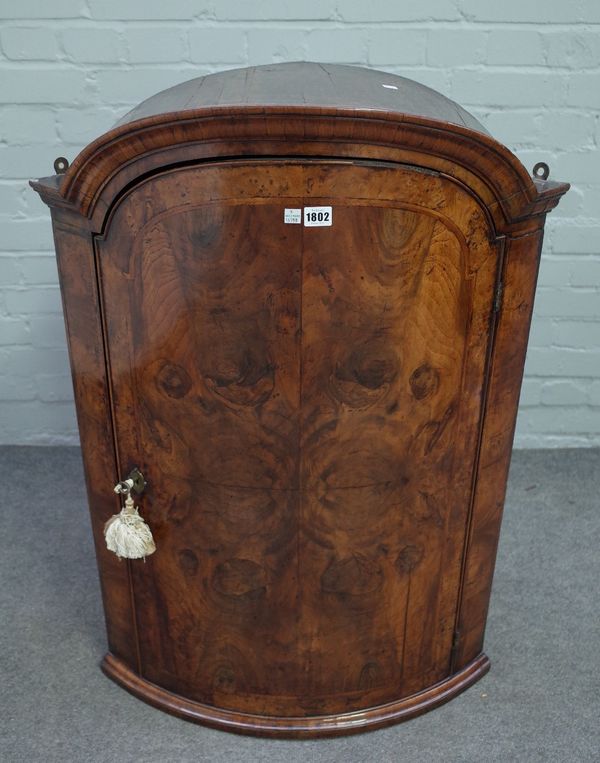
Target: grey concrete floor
[{"x": 540, "y": 702}]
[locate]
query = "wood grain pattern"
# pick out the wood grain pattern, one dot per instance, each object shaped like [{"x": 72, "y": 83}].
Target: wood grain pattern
[
  {"x": 303, "y": 108},
  {"x": 309, "y": 84},
  {"x": 506, "y": 373},
  {"x": 76, "y": 270},
  {"x": 295, "y": 398},
  {"x": 325, "y": 416},
  {"x": 299, "y": 727}
]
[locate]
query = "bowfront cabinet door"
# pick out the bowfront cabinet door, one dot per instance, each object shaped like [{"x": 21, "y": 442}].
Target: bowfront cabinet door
[{"x": 305, "y": 403}]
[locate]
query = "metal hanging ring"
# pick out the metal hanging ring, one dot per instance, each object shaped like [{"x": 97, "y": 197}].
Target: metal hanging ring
[
  {"x": 541, "y": 171},
  {"x": 61, "y": 165}
]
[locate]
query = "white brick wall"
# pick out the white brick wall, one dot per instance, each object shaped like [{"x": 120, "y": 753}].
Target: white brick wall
[{"x": 529, "y": 70}]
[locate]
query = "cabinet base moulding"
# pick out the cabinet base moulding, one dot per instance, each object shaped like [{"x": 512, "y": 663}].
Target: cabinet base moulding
[{"x": 296, "y": 727}]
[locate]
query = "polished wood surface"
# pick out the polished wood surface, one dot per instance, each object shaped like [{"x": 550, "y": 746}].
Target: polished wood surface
[
  {"x": 305, "y": 404},
  {"x": 296, "y": 727},
  {"x": 324, "y": 415},
  {"x": 76, "y": 271},
  {"x": 306, "y": 85}
]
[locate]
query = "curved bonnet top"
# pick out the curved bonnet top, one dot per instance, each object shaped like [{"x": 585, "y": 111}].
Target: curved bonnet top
[
  {"x": 306, "y": 85},
  {"x": 300, "y": 104}
]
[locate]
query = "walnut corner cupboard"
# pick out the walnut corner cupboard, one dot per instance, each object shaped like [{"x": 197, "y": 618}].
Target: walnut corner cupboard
[{"x": 297, "y": 301}]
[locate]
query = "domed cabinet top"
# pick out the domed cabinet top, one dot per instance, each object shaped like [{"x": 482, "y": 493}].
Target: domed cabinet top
[
  {"x": 306, "y": 86},
  {"x": 302, "y": 108}
]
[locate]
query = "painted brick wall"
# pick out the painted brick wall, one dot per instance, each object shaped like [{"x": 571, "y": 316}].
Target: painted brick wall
[{"x": 529, "y": 70}]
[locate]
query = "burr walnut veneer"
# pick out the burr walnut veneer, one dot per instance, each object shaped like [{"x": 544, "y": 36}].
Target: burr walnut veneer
[{"x": 323, "y": 412}]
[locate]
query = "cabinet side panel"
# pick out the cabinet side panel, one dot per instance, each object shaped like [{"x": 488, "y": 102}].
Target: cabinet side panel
[
  {"x": 506, "y": 373},
  {"x": 75, "y": 255}
]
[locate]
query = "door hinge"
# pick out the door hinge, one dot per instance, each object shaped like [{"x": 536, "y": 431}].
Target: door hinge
[
  {"x": 498, "y": 294},
  {"x": 455, "y": 641}
]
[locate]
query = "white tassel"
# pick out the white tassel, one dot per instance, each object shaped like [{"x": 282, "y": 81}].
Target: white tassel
[{"x": 128, "y": 535}]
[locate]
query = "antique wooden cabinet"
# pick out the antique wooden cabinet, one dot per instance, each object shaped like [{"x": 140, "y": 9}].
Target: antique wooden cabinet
[{"x": 297, "y": 298}]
